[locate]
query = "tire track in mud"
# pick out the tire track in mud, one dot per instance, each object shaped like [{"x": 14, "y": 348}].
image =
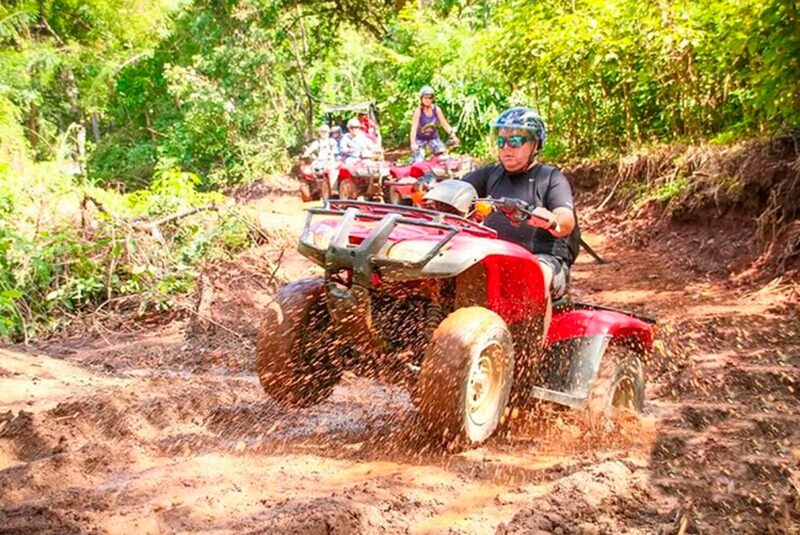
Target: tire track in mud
[{"x": 169, "y": 432}]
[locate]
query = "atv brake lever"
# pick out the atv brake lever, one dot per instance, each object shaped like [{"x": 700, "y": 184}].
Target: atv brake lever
[
  {"x": 520, "y": 211},
  {"x": 514, "y": 209}
]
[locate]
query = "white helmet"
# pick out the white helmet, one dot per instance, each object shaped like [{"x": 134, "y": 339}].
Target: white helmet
[{"x": 456, "y": 194}]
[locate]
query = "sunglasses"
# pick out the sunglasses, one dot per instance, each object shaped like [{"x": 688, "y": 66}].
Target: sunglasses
[{"x": 514, "y": 142}]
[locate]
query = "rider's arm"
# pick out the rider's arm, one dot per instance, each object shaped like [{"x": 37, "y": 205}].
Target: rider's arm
[
  {"x": 478, "y": 179},
  {"x": 558, "y": 209},
  {"x": 559, "y": 222},
  {"x": 311, "y": 149},
  {"x": 414, "y": 125},
  {"x": 445, "y": 124}
]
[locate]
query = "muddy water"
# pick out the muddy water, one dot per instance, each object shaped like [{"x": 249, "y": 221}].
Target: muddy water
[{"x": 167, "y": 430}]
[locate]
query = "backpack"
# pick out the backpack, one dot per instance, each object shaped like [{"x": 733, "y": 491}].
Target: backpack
[{"x": 542, "y": 184}]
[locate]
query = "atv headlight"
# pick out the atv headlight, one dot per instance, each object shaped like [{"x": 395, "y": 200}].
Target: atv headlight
[
  {"x": 411, "y": 250},
  {"x": 321, "y": 235}
]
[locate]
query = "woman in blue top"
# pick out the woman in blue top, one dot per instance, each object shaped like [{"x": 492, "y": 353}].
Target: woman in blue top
[{"x": 423, "y": 126}]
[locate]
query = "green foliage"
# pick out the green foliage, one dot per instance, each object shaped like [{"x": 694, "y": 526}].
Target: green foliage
[
  {"x": 224, "y": 90},
  {"x": 180, "y": 98},
  {"x": 52, "y": 269},
  {"x": 58, "y": 59},
  {"x": 605, "y": 75}
]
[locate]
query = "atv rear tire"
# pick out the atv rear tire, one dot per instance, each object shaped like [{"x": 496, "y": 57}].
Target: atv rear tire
[
  {"x": 293, "y": 358},
  {"x": 348, "y": 189},
  {"x": 618, "y": 385},
  {"x": 305, "y": 193},
  {"x": 391, "y": 195},
  {"x": 466, "y": 377},
  {"x": 325, "y": 189}
]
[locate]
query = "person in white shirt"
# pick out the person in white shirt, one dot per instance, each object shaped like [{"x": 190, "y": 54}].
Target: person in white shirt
[
  {"x": 324, "y": 149},
  {"x": 356, "y": 144}
]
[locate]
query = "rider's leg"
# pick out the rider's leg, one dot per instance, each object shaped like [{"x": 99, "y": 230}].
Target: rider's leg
[
  {"x": 547, "y": 271},
  {"x": 419, "y": 153},
  {"x": 551, "y": 267},
  {"x": 437, "y": 147},
  {"x": 333, "y": 180}
]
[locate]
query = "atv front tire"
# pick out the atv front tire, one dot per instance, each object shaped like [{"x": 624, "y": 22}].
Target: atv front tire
[
  {"x": 348, "y": 189},
  {"x": 466, "y": 377},
  {"x": 618, "y": 385},
  {"x": 293, "y": 355},
  {"x": 391, "y": 195},
  {"x": 305, "y": 193}
]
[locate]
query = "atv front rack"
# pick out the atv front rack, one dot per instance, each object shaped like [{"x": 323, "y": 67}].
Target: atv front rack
[{"x": 368, "y": 255}]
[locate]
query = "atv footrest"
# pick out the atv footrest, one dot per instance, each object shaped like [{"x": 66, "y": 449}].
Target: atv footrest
[{"x": 562, "y": 398}]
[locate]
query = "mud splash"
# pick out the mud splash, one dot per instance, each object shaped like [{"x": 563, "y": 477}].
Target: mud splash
[{"x": 168, "y": 430}]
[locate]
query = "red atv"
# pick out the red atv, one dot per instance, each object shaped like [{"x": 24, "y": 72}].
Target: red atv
[
  {"x": 363, "y": 177},
  {"x": 439, "y": 303},
  {"x": 410, "y": 182},
  {"x": 311, "y": 180}
]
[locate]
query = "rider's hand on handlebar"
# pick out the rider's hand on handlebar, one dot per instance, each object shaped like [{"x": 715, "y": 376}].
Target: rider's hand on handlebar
[
  {"x": 514, "y": 209},
  {"x": 542, "y": 218}
]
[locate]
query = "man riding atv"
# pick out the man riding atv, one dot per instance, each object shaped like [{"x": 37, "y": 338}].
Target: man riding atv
[
  {"x": 553, "y": 236},
  {"x": 452, "y": 303},
  {"x": 317, "y": 159},
  {"x": 324, "y": 149}
]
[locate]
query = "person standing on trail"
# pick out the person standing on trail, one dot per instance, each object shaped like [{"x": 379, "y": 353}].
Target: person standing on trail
[
  {"x": 424, "y": 124},
  {"x": 370, "y": 128},
  {"x": 553, "y": 236}
]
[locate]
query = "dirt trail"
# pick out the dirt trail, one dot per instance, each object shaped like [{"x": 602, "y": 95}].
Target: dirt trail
[{"x": 166, "y": 429}]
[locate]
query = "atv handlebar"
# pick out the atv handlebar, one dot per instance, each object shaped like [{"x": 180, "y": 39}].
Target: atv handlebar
[{"x": 515, "y": 209}]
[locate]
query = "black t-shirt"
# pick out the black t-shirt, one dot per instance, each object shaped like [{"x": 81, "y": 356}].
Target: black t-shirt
[{"x": 540, "y": 186}]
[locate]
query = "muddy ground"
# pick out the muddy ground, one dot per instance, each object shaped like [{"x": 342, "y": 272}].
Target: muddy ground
[{"x": 134, "y": 427}]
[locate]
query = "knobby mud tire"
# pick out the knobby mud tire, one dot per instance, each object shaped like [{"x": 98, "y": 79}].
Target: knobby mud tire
[
  {"x": 348, "y": 190},
  {"x": 618, "y": 385},
  {"x": 391, "y": 195},
  {"x": 305, "y": 193},
  {"x": 468, "y": 341},
  {"x": 294, "y": 358},
  {"x": 325, "y": 189}
]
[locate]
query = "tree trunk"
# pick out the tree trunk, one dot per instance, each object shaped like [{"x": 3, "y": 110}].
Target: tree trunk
[
  {"x": 301, "y": 72},
  {"x": 96, "y": 126},
  {"x": 33, "y": 123}
]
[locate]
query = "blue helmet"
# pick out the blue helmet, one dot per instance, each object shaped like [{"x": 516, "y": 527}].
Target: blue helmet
[{"x": 525, "y": 119}]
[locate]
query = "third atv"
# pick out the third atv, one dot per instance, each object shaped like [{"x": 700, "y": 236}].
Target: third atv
[{"x": 440, "y": 304}]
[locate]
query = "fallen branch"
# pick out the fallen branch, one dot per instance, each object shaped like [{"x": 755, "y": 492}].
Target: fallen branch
[
  {"x": 206, "y": 318},
  {"x": 181, "y": 215},
  {"x": 611, "y": 193},
  {"x": 277, "y": 266},
  {"x": 148, "y": 226}
]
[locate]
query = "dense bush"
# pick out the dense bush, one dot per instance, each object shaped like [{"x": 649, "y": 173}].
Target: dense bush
[
  {"x": 223, "y": 90},
  {"x": 169, "y": 101},
  {"x": 66, "y": 249}
]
